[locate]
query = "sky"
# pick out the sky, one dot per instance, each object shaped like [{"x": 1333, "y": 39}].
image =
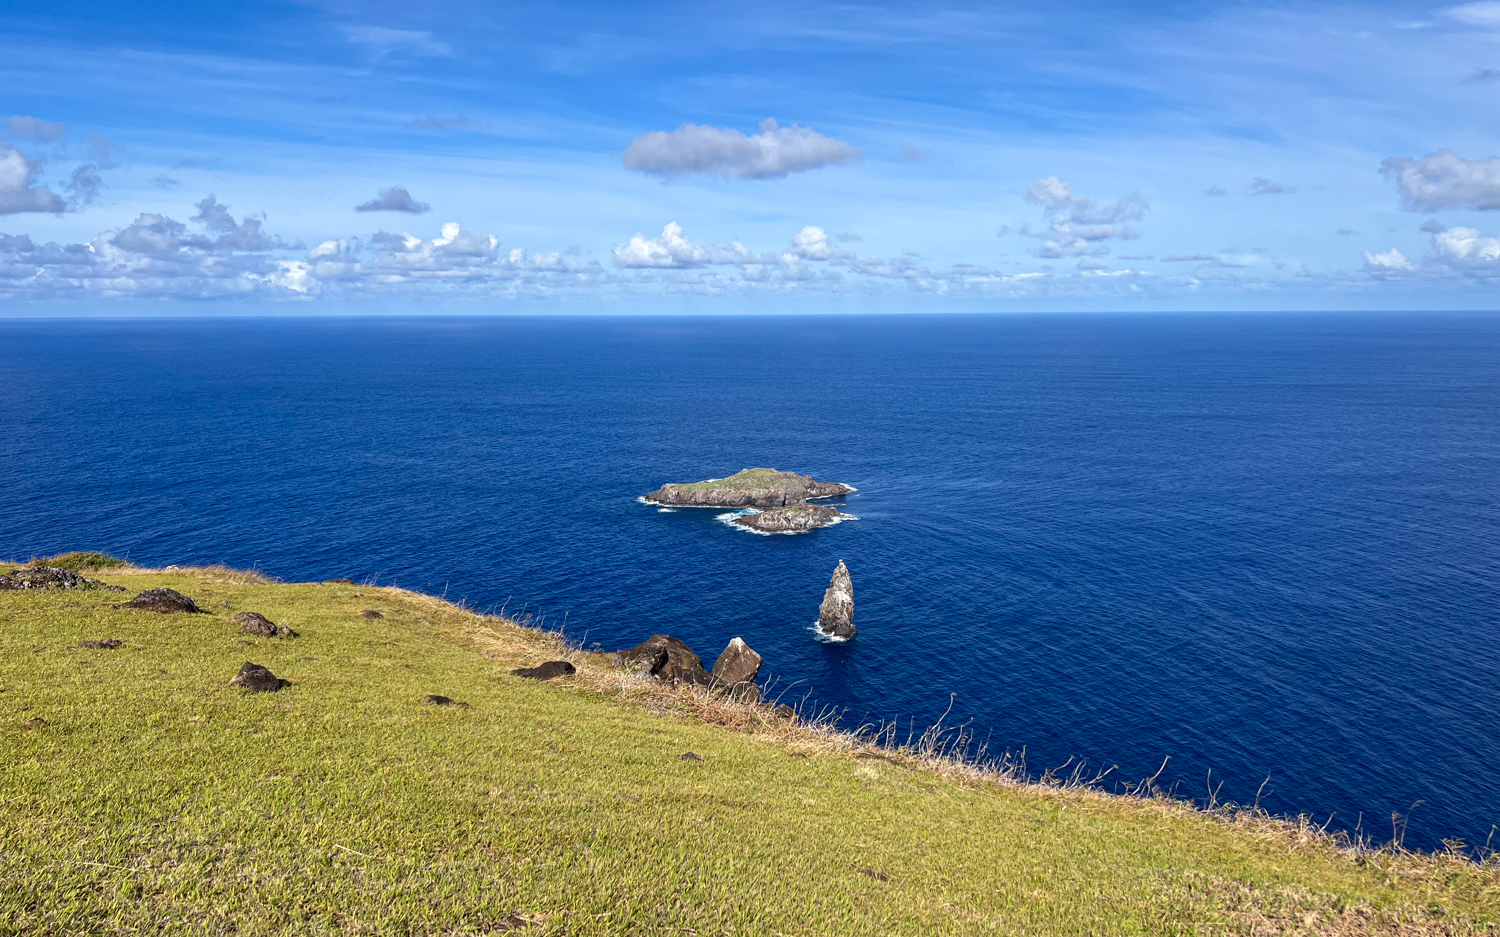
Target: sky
[{"x": 327, "y": 156}]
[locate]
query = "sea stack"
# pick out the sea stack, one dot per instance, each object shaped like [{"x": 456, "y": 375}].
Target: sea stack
[{"x": 836, "y": 614}]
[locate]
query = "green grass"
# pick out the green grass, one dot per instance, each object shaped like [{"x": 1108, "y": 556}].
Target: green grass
[
  {"x": 744, "y": 478},
  {"x": 157, "y": 799},
  {"x": 81, "y": 560}
]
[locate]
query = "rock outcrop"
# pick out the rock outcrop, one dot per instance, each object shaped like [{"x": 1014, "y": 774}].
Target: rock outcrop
[
  {"x": 735, "y": 671},
  {"x": 165, "y": 601},
  {"x": 747, "y": 488},
  {"x": 547, "y": 671},
  {"x": 836, "y": 614},
  {"x": 102, "y": 644},
  {"x": 50, "y": 577},
  {"x": 254, "y": 623},
  {"x": 665, "y": 658},
  {"x": 794, "y": 519},
  {"x": 258, "y": 679}
]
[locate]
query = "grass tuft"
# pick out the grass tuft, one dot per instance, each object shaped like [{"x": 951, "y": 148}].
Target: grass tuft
[{"x": 81, "y": 561}]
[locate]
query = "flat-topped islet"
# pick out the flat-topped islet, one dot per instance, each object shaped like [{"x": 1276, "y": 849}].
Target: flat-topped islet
[
  {"x": 748, "y": 488},
  {"x": 792, "y": 519}
]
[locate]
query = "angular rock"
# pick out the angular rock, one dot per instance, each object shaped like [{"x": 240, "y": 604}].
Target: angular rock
[
  {"x": 690, "y": 756},
  {"x": 552, "y": 668},
  {"x": 165, "y": 601},
  {"x": 665, "y": 658},
  {"x": 747, "y": 488},
  {"x": 103, "y": 644},
  {"x": 47, "y": 577},
  {"x": 254, "y": 623},
  {"x": 258, "y": 679},
  {"x": 437, "y": 700},
  {"x": 371, "y": 613},
  {"x": 794, "y": 519},
  {"x": 735, "y": 671},
  {"x": 836, "y": 614}
]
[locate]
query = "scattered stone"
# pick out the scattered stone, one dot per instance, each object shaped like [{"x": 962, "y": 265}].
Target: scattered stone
[
  {"x": 552, "y": 668},
  {"x": 371, "y": 613},
  {"x": 437, "y": 700},
  {"x": 49, "y": 577},
  {"x": 254, "y": 623},
  {"x": 747, "y": 488},
  {"x": 342, "y": 582},
  {"x": 785, "y": 712},
  {"x": 165, "y": 601},
  {"x": 735, "y": 671},
  {"x": 665, "y": 658},
  {"x": 258, "y": 679},
  {"x": 104, "y": 644},
  {"x": 836, "y": 614},
  {"x": 35, "y": 723},
  {"x": 224, "y": 603},
  {"x": 692, "y": 756},
  {"x": 796, "y": 519}
]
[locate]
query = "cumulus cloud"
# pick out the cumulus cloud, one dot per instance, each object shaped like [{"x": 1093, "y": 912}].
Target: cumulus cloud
[
  {"x": 1080, "y": 226},
  {"x": 669, "y": 250},
  {"x": 1457, "y": 252},
  {"x": 41, "y": 129},
  {"x": 396, "y": 198},
  {"x": 1467, "y": 246},
  {"x": 772, "y": 153},
  {"x": 246, "y": 235},
  {"x": 1259, "y": 186},
  {"x": 1445, "y": 180},
  {"x": 383, "y": 41},
  {"x": 18, "y": 189},
  {"x": 1386, "y": 261}
]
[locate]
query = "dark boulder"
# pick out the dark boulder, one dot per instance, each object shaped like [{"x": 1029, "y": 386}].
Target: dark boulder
[
  {"x": 735, "y": 671},
  {"x": 47, "y": 577},
  {"x": 103, "y": 644},
  {"x": 165, "y": 601},
  {"x": 690, "y": 756},
  {"x": 254, "y": 623},
  {"x": 836, "y": 614},
  {"x": 437, "y": 700},
  {"x": 552, "y": 668},
  {"x": 665, "y": 658},
  {"x": 258, "y": 679},
  {"x": 371, "y": 613}
]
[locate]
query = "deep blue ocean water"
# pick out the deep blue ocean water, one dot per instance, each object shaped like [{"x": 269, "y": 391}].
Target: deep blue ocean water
[{"x": 1258, "y": 544}]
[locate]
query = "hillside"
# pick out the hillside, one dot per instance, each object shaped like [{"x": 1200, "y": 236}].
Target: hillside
[{"x": 140, "y": 793}]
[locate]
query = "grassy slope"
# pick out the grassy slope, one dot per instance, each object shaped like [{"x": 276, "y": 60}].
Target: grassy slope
[
  {"x": 158, "y": 799},
  {"x": 744, "y": 478}
]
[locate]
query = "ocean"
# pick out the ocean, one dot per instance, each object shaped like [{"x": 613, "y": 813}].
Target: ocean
[{"x": 1252, "y": 545}]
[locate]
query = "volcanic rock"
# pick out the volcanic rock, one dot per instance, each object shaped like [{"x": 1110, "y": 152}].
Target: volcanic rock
[
  {"x": 258, "y": 679},
  {"x": 371, "y": 613},
  {"x": 836, "y": 614},
  {"x": 437, "y": 700},
  {"x": 103, "y": 644},
  {"x": 794, "y": 519},
  {"x": 165, "y": 601},
  {"x": 48, "y": 577},
  {"x": 254, "y": 623},
  {"x": 747, "y": 488},
  {"x": 665, "y": 658},
  {"x": 690, "y": 756},
  {"x": 735, "y": 671},
  {"x": 552, "y": 668}
]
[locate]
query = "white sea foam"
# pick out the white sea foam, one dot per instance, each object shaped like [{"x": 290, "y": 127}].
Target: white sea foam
[
  {"x": 825, "y": 637},
  {"x": 666, "y": 510}
]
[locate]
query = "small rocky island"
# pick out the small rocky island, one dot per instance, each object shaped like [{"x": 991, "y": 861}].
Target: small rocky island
[
  {"x": 779, "y": 499},
  {"x": 836, "y": 614}
]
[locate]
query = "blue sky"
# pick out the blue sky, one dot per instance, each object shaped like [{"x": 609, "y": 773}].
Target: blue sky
[{"x": 534, "y": 157}]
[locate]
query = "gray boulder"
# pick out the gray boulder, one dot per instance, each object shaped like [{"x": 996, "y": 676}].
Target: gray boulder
[
  {"x": 836, "y": 614},
  {"x": 665, "y": 658},
  {"x": 165, "y": 601},
  {"x": 49, "y": 577},
  {"x": 254, "y": 623},
  {"x": 547, "y": 671},
  {"x": 258, "y": 679},
  {"x": 735, "y": 671}
]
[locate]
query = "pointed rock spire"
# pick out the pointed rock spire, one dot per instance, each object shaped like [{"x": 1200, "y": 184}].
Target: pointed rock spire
[{"x": 836, "y": 614}]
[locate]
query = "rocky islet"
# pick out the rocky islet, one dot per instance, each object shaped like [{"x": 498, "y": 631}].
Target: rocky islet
[{"x": 779, "y": 498}]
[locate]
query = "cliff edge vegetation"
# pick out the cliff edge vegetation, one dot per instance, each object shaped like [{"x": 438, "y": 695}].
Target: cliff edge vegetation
[{"x": 401, "y": 780}]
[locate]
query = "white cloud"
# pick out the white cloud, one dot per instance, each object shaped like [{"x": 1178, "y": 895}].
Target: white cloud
[
  {"x": 43, "y": 130},
  {"x": 1079, "y": 226},
  {"x": 1445, "y": 180},
  {"x": 383, "y": 41},
  {"x": 18, "y": 189},
  {"x": 811, "y": 243},
  {"x": 669, "y": 250},
  {"x": 1485, "y": 13},
  {"x": 1468, "y": 246},
  {"x": 1392, "y": 259},
  {"x": 772, "y": 153},
  {"x": 396, "y": 198}
]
